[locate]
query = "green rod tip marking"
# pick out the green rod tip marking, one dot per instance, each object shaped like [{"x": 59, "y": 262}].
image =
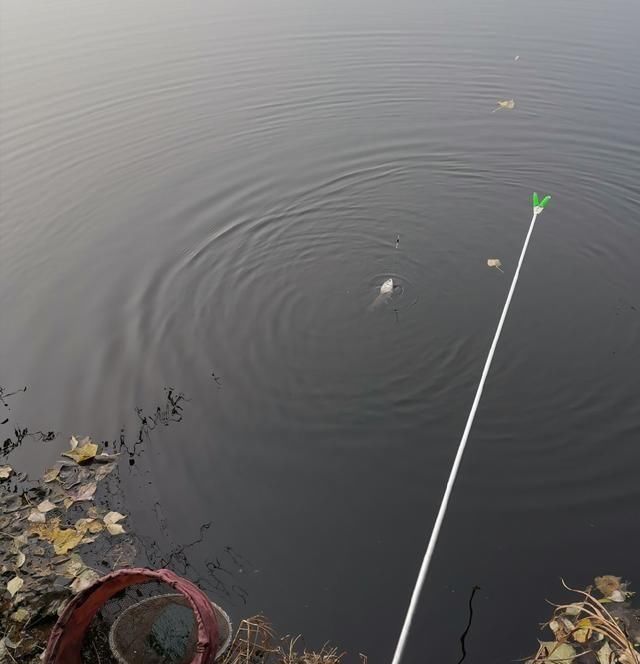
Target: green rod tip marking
[
  {"x": 544, "y": 201},
  {"x": 535, "y": 199}
]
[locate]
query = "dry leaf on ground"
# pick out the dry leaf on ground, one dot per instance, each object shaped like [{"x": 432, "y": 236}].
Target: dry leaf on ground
[{"x": 14, "y": 585}]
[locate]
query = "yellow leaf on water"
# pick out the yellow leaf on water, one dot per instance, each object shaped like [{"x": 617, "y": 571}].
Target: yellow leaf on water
[
  {"x": 115, "y": 529},
  {"x": 82, "y": 453},
  {"x": 36, "y": 517},
  {"x": 84, "y": 492},
  {"x": 111, "y": 522},
  {"x": 46, "y": 506},
  {"x": 509, "y": 104},
  {"x": 21, "y": 615},
  {"x": 86, "y": 578},
  {"x": 605, "y": 654},
  {"x": 73, "y": 567},
  {"x": 51, "y": 474},
  {"x": 65, "y": 539},
  {"x": 558, "y": 653},
  {"x": 583, "y": 631},
  {"x": 14, "y": 585},
  {"x": 113, "y": 517},
  {"x": 92, "y": 526}
]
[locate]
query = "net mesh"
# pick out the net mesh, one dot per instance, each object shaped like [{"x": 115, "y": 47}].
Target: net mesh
[{"x": 147, "y": 624}]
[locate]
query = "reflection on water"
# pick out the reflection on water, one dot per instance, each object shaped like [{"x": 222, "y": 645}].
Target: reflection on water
[{"x": 207, "y": 196}]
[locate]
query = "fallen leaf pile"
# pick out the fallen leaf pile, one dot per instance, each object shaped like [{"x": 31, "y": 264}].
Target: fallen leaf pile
[
  {"x": 43, "y": 525},
  {"x": 601, "y": 627}
]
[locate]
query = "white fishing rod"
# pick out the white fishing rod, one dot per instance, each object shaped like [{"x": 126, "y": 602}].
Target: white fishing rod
[{"x": 538, "y": 207}]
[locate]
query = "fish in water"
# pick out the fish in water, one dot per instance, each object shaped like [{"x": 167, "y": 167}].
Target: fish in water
[
  {"x": 387, "y": 287},
  {"x": 385, "y": 294}
]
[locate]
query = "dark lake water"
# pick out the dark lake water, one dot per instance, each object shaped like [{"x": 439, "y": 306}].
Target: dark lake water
[{"x": 198, "y": 188}]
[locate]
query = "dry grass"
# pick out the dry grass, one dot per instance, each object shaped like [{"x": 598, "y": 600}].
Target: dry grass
[
  {"x": 254, "y": 643},
  {"x": 599, "y": 621},
  {"x": 325, "y": 656}
]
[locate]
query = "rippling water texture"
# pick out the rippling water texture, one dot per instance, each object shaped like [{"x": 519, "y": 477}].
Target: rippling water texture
[{"x": 198, "y": 188}]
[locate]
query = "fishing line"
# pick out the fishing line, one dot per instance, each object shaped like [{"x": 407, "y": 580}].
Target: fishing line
[{"x": 538, "y": 207}]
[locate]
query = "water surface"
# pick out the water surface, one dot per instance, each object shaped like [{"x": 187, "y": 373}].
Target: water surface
[{"x": 206, "y": 196}]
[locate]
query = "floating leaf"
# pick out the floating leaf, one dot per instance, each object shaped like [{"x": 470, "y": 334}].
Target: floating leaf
[
  {"x": 81, "y": 453},
  {"x": 63, "y": 539},
  {"x": 86, "y": 578},
  {"x": 66, "y": 539},
  {"x": 21, "y": 615},
  {"x": 46, "y": 506},
  {"x": 111, "y": 522},
  {"x": 607, "y": 584},
  {"x": 583, "y": 631},
  {"x": 605, "y": 654},
  {"x": 561, "y": 627},
  {"x": 558, "y": 653},
  {"x": 74, "y": 566},
  {"x": 92, "y": 526},
  {"x": 113, "y": 517},
  {"x": 83, "y": 492},
  {"x": 5, "y": 472},
  {"x": 115, "y": 529},
  {"x": 21, "y": 559},
  {"x": 103, "y": 470},
  {"x": 508, "y": 104},
  {"x": 51, "y": 474},
  {"x": 495, "y": 262},
  {"x": 573, "y": 609},
  {"x": 14, "y": 585},
  {"x": 36, "y": 517}
]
